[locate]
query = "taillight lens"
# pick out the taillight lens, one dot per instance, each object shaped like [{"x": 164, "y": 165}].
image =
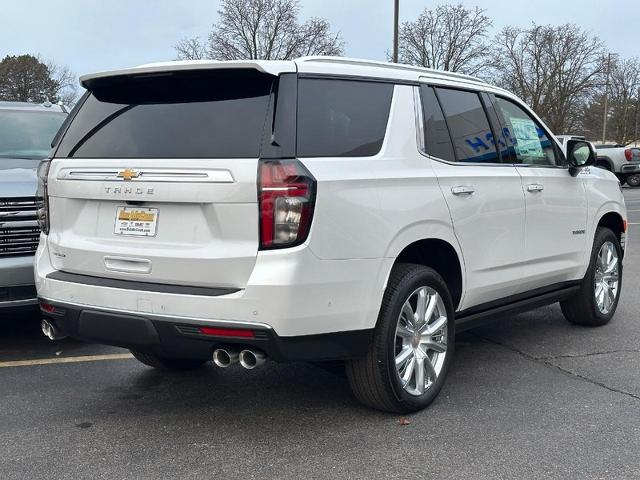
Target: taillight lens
[
  {"x": 286, "y": 193},
  {"x": 42, "y": 196},
  {"x": 628, "y": 154}
]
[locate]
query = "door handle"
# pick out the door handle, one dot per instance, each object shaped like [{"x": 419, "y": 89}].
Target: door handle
[
  {"x": 535, "y": 187},
  {"x": 462, "y": 190}
]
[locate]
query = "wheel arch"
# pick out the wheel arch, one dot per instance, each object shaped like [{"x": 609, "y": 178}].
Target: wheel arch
[
  {"x": 613, "y": 221},
  {"x": 605, "y": 160},
  {"x": 441, "y": 254}
]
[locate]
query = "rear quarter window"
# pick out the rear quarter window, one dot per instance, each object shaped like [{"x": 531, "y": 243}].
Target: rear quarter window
[
  {"x": 341, "y": 118},
  {"x": 217, "y": 114}
]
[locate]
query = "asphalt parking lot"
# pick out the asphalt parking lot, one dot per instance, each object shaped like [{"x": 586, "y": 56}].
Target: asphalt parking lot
[{"x": 528, "y": 397}]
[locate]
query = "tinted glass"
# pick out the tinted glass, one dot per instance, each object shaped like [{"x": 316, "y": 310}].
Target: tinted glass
[
  {"x": 27, "y": 135},
  {"x": 211, "y": 115},
  {"x": 437, "y": 138},
  {"x": 342, "y": 118},
  {"x": 469, "y": 127},
  {"x": 525, "y": 136}
]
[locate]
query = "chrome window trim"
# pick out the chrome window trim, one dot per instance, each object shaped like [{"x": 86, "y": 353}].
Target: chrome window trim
[
  {"x": 420, "y": 139},
  {"x": 417, "y": 109},
  {"x": 533, "y": 165},
  {"x": 467, "y": 164}
]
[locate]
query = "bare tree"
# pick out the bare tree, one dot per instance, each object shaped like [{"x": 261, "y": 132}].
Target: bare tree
[
  {"x": 262, "y": 29},
  {"x": 191, "y": 49},
  {"x": 27, "y": 78},
  {"x": 623, "y": 109},
  {"x": 449, "y": 37},
  {"x": 555, "y": 69},
  {"x": 625, "y": 80},
  {"x": 65, "y": 82}
]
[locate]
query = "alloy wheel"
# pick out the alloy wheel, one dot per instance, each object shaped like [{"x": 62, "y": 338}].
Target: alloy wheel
[
  {"x": 421, "y": 340},
  {"x": 607, "y": 277}
]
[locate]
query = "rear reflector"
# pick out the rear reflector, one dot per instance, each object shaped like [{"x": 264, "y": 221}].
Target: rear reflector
[
  {"x": 47, "y": 307},
  {"x": 628, "y": 154},
  {"x": 227, "y": 332}
]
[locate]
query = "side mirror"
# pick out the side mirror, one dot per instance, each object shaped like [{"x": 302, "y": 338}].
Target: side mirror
[{"x": 580, "y": 154}]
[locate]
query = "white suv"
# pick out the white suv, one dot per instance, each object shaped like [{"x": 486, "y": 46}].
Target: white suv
[{"x": 320, "y": 209}]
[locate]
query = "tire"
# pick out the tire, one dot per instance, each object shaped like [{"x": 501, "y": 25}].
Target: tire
[
  {"x": 374, "y": 379},
  {"x": 165, "y": 363},
  {"x": 583, "y": 308},
  {"x": 633, "y": 180}
]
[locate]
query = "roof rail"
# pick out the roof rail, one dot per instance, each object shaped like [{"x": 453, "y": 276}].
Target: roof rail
[{"x": 394, "y": 66}]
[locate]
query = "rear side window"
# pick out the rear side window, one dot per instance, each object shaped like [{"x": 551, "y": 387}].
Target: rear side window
[
  {"x": 341, "y": 118},
  {"x": 437, "y": 141},
  {"x": 217, "y": 114},
  {"x": 470, "y": 130}
]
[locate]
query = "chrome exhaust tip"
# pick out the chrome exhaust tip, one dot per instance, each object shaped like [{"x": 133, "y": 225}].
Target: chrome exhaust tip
[
  {"x": 250, "y": 359},
  {"x": 50, "y": 331},
  {"x": 223, "y": 357}
]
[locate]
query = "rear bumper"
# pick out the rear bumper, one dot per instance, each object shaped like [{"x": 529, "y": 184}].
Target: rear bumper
[
  {"x": 17, "y": 287},
  {"x": 291, "y": 292},
  {"x": 182, "y": 338},
  {"x": 630, "y": 168}
]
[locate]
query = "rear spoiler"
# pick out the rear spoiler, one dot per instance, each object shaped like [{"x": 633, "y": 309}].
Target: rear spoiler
[{"x": 271, "y": 67}]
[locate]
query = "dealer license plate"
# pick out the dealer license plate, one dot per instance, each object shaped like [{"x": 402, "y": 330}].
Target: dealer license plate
[{"x": 137, "y": 221}]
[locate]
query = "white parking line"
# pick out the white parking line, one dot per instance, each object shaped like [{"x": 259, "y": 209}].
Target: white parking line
[{"x": 49, "y": 361}]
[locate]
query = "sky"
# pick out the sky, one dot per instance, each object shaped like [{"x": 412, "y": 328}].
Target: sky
[{"x": 93, "y": 35}]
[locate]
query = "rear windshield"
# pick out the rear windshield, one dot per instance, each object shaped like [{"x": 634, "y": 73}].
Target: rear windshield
[
  {"x": 217, "y": 114},
  {"x": 27, "y": 134}
]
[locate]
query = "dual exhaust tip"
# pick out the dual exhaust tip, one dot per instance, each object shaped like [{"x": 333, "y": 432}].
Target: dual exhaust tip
[
  {"x": 249, "y": 359},
  {"x": 51, "y": 331}
]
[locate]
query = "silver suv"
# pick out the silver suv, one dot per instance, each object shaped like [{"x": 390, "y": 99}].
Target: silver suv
[{"x": 26, "y": 132}]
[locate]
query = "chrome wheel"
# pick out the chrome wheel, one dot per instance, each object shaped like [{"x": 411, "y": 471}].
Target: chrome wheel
[
  {"x": 607, "y": 277},
  {"x": 421, "y": 340}
]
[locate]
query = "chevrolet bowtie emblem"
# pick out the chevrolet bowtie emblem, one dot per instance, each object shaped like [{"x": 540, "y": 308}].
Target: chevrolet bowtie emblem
[{"x": 128, "y": 174}]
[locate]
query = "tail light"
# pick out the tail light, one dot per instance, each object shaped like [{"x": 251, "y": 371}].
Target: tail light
[
  {"x": 628, "y": 154},
  {"x": 42, "y": 196},
  {"x": 286, "y": 193}
]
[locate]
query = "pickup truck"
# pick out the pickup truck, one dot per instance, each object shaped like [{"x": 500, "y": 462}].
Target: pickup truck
[{"x": 622, "y": 160}]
